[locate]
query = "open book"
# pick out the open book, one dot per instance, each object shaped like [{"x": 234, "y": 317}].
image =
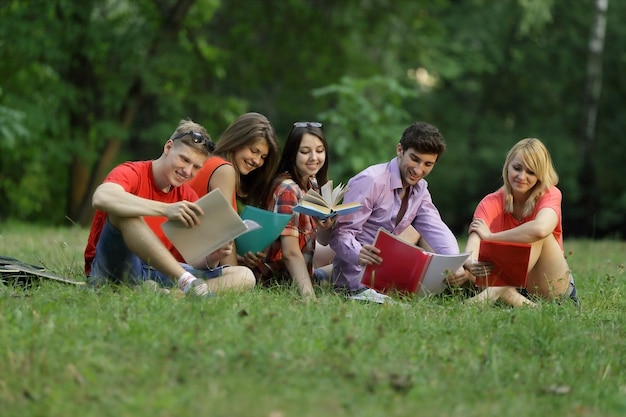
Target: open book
[
  {"x": 219, "y": 225},
  {"x": 407, "y": 268},
  {"x": 326, "y": 203},
  {"x": 272, "y": 224},
  {"x": 510, "y": 263}
]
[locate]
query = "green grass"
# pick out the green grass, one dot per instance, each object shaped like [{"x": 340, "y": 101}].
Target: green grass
[{"x": 67, "y": 351}]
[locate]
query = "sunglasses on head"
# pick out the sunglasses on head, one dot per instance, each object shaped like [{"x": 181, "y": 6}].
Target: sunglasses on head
[
  {"x": 307, "y": 124},
  {"x": 198, "y": 138}
]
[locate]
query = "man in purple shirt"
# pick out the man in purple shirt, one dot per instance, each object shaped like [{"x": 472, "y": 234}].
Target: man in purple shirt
[{"x": 394, "y": 196}]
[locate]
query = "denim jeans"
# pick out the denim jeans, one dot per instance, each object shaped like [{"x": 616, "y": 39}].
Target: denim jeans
[{"x": 115, "y": 262}]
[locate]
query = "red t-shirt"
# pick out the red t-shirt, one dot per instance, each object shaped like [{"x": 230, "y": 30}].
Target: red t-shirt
[
  {"x": 491, "y": 210},
  {"x": 137, "y": 178}
]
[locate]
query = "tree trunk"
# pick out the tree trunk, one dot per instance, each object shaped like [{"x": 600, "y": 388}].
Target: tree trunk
[
  {"x": 586, "y": 176},
  {"x": 85, "y": 177}
]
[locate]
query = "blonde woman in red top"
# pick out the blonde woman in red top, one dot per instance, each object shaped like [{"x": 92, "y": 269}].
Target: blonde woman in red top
[{"x": 526, "y": 209}]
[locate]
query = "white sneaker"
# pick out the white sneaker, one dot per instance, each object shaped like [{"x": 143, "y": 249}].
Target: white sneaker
[
  {"x": 193, "y": 286},
  {"x": 198, "y": 288},
  {"x": 371, "y": 295}
]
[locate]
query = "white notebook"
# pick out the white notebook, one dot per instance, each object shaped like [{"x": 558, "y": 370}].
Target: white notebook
[{"x": 219, "y": 225}]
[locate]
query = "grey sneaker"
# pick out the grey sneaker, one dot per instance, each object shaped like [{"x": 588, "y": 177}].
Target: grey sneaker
[{"x": 198, "y": 288}]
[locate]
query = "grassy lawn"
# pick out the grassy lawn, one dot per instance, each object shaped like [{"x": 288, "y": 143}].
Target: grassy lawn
[{"x": 67, "y": 351}]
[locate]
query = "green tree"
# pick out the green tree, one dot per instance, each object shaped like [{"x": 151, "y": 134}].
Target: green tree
[
  {"x": 98, "y": 81},
  {"x": 84, "y": 72}
]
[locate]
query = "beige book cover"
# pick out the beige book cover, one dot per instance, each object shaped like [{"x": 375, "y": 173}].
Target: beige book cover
[{"x": 219, "y": 225}]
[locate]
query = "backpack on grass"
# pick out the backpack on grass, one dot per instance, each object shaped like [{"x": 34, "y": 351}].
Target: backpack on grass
[{"x": 18, "y": 272}]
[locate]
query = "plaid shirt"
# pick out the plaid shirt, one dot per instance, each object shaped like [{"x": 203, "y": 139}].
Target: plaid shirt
[{"x": 285, "y": 197}]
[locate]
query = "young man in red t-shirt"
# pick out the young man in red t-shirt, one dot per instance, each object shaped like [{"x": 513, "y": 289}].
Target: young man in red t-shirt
[{"x": 126, "y": 240}]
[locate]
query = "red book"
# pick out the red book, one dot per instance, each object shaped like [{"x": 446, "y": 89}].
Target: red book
[
  {"x": 510, "y": 263},
  {"x": 407, "y": 268}
]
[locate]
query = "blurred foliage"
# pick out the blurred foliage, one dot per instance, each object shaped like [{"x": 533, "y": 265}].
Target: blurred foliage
[{"x": 85, "y": 85}]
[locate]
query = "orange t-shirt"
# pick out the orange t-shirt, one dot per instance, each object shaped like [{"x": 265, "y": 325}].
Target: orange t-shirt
[
  {"x": 200, "y": 182},
  {"x": 491, "y": 210}
]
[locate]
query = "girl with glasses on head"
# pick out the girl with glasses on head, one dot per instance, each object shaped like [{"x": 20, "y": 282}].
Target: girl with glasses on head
[{"x": 303, "y": 165}]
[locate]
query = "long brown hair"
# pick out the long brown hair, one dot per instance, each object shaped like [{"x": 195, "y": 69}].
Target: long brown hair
[
  {"x": 287, "y": 165},
  {"x": 246, "y": 130},
  {"x": 290, "y": 152}
]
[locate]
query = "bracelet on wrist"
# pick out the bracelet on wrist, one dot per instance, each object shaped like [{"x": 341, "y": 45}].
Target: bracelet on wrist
[{"x": 206, "y": 262}]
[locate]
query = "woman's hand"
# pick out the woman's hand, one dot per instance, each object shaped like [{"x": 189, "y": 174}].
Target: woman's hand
[
  {"x": 213, "y": 259},
  {"x": 326, "y": 223},
  {"x": 479, "y": 227},
  {"x": 251, "y": 260}
]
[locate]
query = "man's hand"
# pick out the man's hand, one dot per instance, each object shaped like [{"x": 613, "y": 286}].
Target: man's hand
[
  {"x": 478, "y": 269},
  {"x": 457, "y": 278},
  {"x": 369, "y": 255},
  {"x": 186, "y": 212}
]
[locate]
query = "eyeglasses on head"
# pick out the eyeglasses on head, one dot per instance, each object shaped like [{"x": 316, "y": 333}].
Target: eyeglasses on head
[
  {"x": 307, "y": 124},
  {"x": 198, "y": 138}
]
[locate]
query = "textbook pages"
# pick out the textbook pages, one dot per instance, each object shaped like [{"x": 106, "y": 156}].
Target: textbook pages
[
  {"x": 219, "y": 225},
  {"x": 510, "y": 263},
  {"x": 326, "y": 203},
  {"x": 407, "y": 268}
]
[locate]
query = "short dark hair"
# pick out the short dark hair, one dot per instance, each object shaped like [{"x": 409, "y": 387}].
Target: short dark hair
[{"x": 423, "y": 138}]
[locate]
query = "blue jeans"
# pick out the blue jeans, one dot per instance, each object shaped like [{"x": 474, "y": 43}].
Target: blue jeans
[{"x": 115, "y": 262}]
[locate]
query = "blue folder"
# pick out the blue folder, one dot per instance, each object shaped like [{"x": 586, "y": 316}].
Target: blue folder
[{"x": 272, "y": 224}]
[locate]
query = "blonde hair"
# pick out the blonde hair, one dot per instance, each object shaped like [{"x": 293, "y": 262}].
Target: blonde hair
[
  {"x": 536, "y": 157},
  {"x": 188, "y": 126}
]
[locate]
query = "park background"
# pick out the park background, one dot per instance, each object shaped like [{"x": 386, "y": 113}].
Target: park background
[{"x": 86, "y": 85}]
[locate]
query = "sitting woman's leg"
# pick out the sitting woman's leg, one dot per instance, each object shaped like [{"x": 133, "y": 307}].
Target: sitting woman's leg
[
  {"x": 548, "y": 276},
  {"x": 548, "y": 272},
  {"x": 508, "y": 295},
  {"x": 232, "y": 278},
  {"x": 323, "y": 255}
]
